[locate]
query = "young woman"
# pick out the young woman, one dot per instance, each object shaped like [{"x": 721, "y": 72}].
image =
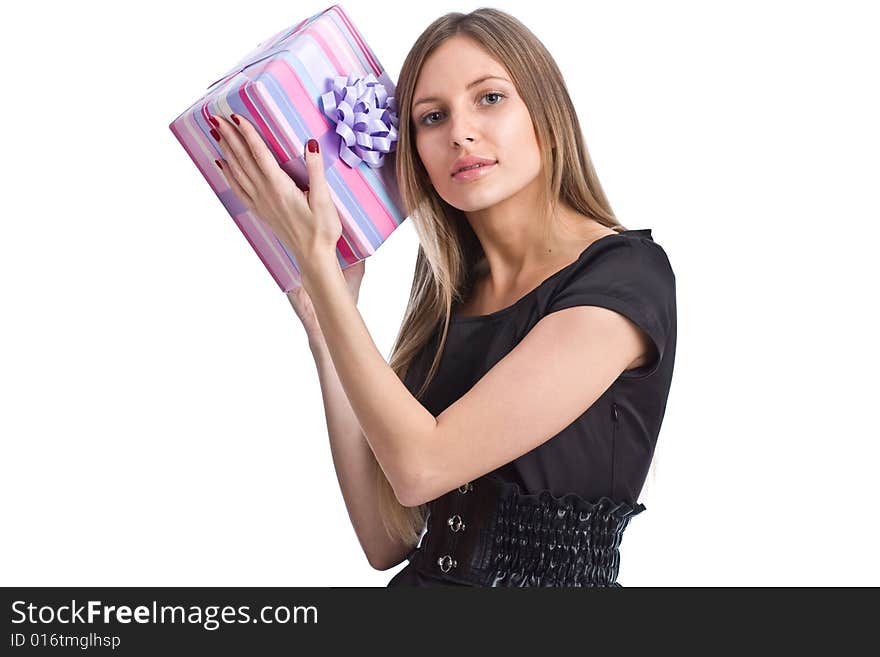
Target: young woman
[{"x": 528, "y": 383}]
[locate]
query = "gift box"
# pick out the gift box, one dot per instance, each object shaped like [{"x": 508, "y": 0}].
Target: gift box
[{"x": 318, "y": 79}]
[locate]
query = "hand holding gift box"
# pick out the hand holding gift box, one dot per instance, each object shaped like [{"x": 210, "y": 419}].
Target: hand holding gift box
[
  {"x": 307, "y": 223},
  {"x": 318, "y": 79}
]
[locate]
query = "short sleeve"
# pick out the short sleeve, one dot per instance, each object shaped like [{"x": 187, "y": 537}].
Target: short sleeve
[{"x": 631, "y": 276}]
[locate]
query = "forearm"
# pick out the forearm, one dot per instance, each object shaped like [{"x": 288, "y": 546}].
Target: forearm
[
  {"x": 395, "y": 423},
  {"x": 355, "y": 466},
  {"x": 341, "y": 420}
]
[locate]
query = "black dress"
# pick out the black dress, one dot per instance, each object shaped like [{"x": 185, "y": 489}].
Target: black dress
[{"x": 606, "y": 452}]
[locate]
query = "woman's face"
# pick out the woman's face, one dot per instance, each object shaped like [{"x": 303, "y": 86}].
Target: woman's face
[{"x": 488, "y": 120}]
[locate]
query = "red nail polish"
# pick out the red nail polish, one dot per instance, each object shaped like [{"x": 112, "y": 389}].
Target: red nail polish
[
  {"x": 313, "y": 146},
  {"x": 235, "y": 118},
  {"x": 214, "y": 121},
  {"x": 217, "y": 162},
  {"x": 215, "y": 134}
]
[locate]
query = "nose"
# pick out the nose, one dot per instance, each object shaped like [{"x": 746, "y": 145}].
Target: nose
[
  {"x": 461, "y": 131},
  {"x": 460, "y": 143}
]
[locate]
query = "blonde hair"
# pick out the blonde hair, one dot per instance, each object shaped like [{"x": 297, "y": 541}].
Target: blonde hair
[{"x": 449, "y": 249}]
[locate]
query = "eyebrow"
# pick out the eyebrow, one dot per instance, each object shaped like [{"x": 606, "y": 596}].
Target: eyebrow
[{"x": 429, "y": 99}]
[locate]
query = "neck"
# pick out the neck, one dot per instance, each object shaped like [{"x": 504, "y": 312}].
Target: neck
[{"x": 518, "y": 248}]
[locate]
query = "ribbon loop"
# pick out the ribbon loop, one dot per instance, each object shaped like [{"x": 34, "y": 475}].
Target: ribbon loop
[{"x": 365, "y": 117}]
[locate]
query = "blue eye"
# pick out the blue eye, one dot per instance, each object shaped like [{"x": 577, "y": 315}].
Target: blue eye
[{"x": 424, "y": 118}]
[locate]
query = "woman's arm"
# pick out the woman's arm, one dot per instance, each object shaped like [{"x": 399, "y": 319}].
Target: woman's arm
[
  {"x": 355, "y": 467},
  {"x": 352, "y": 457},
  {"x": 556, "y": 373},
  {"x": 393, "y": 422}
]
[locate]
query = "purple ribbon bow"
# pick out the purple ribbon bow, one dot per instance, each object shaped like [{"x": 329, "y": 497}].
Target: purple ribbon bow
[{"x": 365, "y": 117}]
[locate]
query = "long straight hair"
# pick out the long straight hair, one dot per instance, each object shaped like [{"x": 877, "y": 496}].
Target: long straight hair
[{"x": 449, "y": 249}]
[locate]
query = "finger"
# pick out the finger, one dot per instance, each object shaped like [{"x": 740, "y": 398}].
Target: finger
[
  {"x": 319, "y": 192},
  {"x": 245, "y": 198},
  {"x": 238, "y": 155},
  {"x": 262, "y": 156}
]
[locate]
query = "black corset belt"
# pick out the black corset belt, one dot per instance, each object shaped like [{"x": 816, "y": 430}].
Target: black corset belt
[{"x": 486, "y": 533}]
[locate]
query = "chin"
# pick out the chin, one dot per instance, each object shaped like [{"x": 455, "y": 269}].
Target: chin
[{"x": 476, "y": 199}]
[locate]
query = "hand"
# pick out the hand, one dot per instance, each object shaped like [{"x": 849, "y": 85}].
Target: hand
[
  {"x": 302, "y": 302},
  {"x": 305, "y": 221}
]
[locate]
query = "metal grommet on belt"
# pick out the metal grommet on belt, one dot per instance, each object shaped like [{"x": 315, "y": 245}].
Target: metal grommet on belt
[
  {"x": 446, "y": 562},
  {"x": 515, "y": 538},
  {"x": 455, "y": 523}
]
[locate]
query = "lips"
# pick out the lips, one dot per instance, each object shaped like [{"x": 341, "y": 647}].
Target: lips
[
  {"x": 472, "y": 166},
  {"x": 474, "y": 174},
  {"x": 469, "y": 161}
]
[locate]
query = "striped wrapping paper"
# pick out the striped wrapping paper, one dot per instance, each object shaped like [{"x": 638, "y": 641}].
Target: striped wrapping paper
[{"x": 278, "y": 87}]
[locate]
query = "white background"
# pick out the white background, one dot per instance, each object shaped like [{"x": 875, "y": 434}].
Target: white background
[{"x": 161, "y": 415}]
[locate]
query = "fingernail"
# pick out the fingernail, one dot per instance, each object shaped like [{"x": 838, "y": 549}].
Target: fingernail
[
  {"x": 214, "y": 121},
  {"x": 215, "y": 134},
  {"x": 313, "y": 146},
  {"x": 217, "y": 162},
  {"x": 235, "y": 119}
]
